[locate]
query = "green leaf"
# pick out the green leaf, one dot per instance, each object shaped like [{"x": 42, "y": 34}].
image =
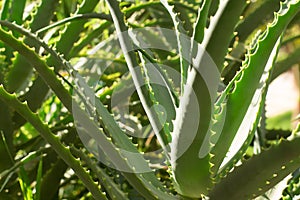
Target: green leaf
[
  {"x": 72, "y": 31},
  {"x": 5, "y": 9},
  {"x": 201, "y": 21},
  {"x": 39, "y": 180},
  {"x": 17, "y": 11},
  {"x": 122, "y": 155},
  {"x": 113, "y": 190},
  {"x": 282, "y": 66},
  {"x": 56, "y": 144},
  {"x": 137, "y": 77},
  {"x": 193, "y": 117},
  {"x": 182, "y": 44},
  {"x": 50, "y": 182},
  {"x": 261, "y": 172},
  {"x": 281, "y": 121},
  {"x": 25, "y": 184},
  {"x": 248, "y": 80},
  {"x": 21, "y": 70}
]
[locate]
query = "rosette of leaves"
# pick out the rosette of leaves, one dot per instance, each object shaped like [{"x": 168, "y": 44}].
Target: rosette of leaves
[{"x": 42, "y": 41}]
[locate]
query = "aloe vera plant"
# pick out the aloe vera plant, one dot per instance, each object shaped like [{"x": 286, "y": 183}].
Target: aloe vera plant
[{"x": 144, "y": 100}]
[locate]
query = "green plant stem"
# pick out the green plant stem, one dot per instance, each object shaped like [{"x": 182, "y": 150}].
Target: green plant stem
[{"x": 54, "y": 141}]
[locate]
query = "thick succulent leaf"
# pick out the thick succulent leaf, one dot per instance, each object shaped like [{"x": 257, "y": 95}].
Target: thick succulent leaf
[
  {"x": 34, "y": 97},
  {"x": 139, "y": 180},
  {"x": 250, "y": 122},
  {"x": 40, "y": 65},
  {"x": 243, "y": 89},
  {"x": 71, "y": 33},
  {"x": 221, "y": 30},
  {"x": 51, "y": 180},
  {"x": 5, "y": 9},
  {"x": 201, "y": 22},
  {"x": 44, "y": 130},
  {"x": 257, "y": 14},
  {"x": 21, "y": 70},
  {"x": 184, "y": 15},
  {"x": 122, "y": 155},
  {"x": 285, "y": 64},
  {"x": 261, "y": 172},
  {"x": 137, "y": 77},
  {"x": 262, "y": 10},
  {"x": 190, "y": 139},
  {"x": 38, "y": 85},
  {"x": 126, "y": 159},
  {"x": 181, "y": 42},
  {"x": 85, "y": 41},
  {"x": 112, "y": 188},
  {"x": 160, "y": 93},
  {"x": 17, "y": 11}
]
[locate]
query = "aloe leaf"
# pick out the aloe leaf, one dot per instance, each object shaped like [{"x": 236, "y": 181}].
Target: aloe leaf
[
  {"x": 251, "y": 120},
  {"x": 249, "y": 79},
  {"x": 25, "y": 184},
  {"x": 38, "y": 84},
  {"x": 126, "y": 159},
  {"x": 44, "y": 130},
  {"x": 17, "y": 11},
  {"x": 261, "y": 172},
  {"x": 21, "y": 69},
  {"x": 85, "y": 41},
  {"x": 141, "y": 181},
  {"x": 257, "y": 14},
  {"x": 137, "y": 77},
  {"x": 85, "y": 6},
  {"x": 34, "y": 101},
  {"x": 18, "y": 74},
  {"x": 185, "y": 17},
  {"x": 160, "y": 94},
  {"x": 221, "y": 29},
  {"x": 40, "y": 65},
  {"x": 123, "y": 155},
  {"x": 43, "y": 15},
  {"x": 13, "y": 10},
  {"x": 201, "y": 21},
  {"x": 190, "y": 139},
  {"x": 76, "y": 17},
  {"x": 71, "y": 33},
  {"x": 50, "y": 181},
  {"x": 109, "y": 123},
  {"x": 285, "y": 64},
  {"x": 5, "y": 9},
  {"x": 182, "y": 44},
  {"x": 113, "y": 190},
  {"x": 39, "y": 180},
  {"x": 256, "y": 17}
]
